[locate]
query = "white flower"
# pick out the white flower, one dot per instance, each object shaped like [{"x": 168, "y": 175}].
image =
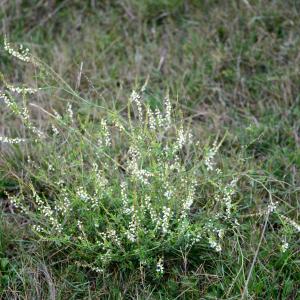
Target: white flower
[
  {"x": 22, "y": 113},
  {"x": 135, "y": 97},
  {"x": 166, "y": 212},
  {"x": 8, "y": 140},
  {"x": 54, "y": 130},
  {"x": 22, "y": 54},
  {"x": 221, "y": 233},
  {"x": 50, "y": 167},
  {"x": 37, "y": 228},
  {"x": 168, "y": 120},
  {"x": 21, "y": 90},
  {"x": 213, "y": 244},
  {"x": 168, "y": 191},
  {"x": 82, "y": 235},
  {"x": 131, "y": 232},
  {"x": 271, "y": 207},
  {"x": 106, "y": 140},
  {"x": 17, "y": 202},
  {"x": 151, "y": 210},
  {"x": 57, "y": 115},
  {"x": 94, "y": 268},
  {"x": 9, "y": 103},
  {"x": 138, "y": 173},
  {"x": 218, "y": 248},
  {"x": 291, "y": 222},
  {"x": 48, "y": 213},
  {"x": 160, "y": 266},
  {"x": 228, "y": 192},
  {"x": 209, "y": 158},
  {"x": 70, "y": 111},
  {"x": 100, "y": 179},
  {"x": 64, "y": 205},
  {"x": 112, "y": 236},
  {"x": 82, "y": 194},
  {"x": 127, "y": 209},
  {"x": 159, "y": 118},
  {"x": 284, "y": 246},
  {"x": 187, "y": 203},
  {"x": 151, "y": 119},
  {"x": 180, "y": 138}
]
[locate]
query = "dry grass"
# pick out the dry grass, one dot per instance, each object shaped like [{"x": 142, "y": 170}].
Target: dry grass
[{"x": 231, "y": 69}]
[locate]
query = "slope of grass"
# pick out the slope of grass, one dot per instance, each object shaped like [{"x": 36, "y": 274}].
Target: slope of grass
[{"x": 231, "y": 69}]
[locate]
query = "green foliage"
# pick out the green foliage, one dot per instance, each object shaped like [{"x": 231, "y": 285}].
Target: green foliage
[
  {"x": 230, "y": 69},
  {"x": 120, "y": 193}
]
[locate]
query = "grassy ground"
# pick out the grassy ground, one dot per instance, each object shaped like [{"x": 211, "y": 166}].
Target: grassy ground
[{"x": 231, "y": 69}]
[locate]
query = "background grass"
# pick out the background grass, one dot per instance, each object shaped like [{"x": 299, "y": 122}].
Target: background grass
[{"x": 231, "y": 66}]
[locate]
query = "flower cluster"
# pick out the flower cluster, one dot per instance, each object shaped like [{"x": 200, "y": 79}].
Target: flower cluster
[
  {"x": 136, "y": 98},
  {"x": 150, "y": 201},
  {"x": 9, "y": 103},
  {"x": 70, "y": 111},
  {"x": 8, "y": 140},
  {"x": 228, "y": 192},
  {"x": 160, "y": 266},
  {"x": 166, "y": 214},
  {"x": 291, "y": 222},
  {"x": 105, "y": 135},
  {"x": 214, "y": 244},
  {"x": 22, "y": 113},
  {"x": 271, "y": 207},
  {"x": 168, "y": 119},
  {"x": 143, "y": 193},
  {"x": 187, "y": 203},
  {"x": 154, "y": 196},
  {"x": 89, "y": 266},
  {"x": 151, "y": 119},
  {"x": 21, "y": 54},
  {"x": 137, "y": 173},
  {"x": 125, "y": 202},
  {"x": 64, "y": 206},
  {"x": 133, "y": 226},
  {"x": 110, "y": 236},
  {"x": 17, "y": 202},
  {"x": 152, "y": 212},
  {"x": 209, "y": 158},
  {"x": 82, "y": 194},
  {"x": 156, "y": 119},
  {"x": 21, "y": 90},
  {"x": 48, "y": 213},
  {"x": 284, "y": 246}
]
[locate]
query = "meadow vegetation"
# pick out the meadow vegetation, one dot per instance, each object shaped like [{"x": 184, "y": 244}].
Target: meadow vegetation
[{"x": 149, "y": 149}]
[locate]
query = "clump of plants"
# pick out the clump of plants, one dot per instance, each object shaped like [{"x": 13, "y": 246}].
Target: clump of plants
[{"x": 130, "y": 189}]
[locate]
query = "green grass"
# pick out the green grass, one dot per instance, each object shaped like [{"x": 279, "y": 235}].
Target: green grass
[{"x": 232, "y": 73}]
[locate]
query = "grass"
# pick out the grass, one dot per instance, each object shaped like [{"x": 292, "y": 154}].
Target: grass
[{"x": 231, "y": 70}]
